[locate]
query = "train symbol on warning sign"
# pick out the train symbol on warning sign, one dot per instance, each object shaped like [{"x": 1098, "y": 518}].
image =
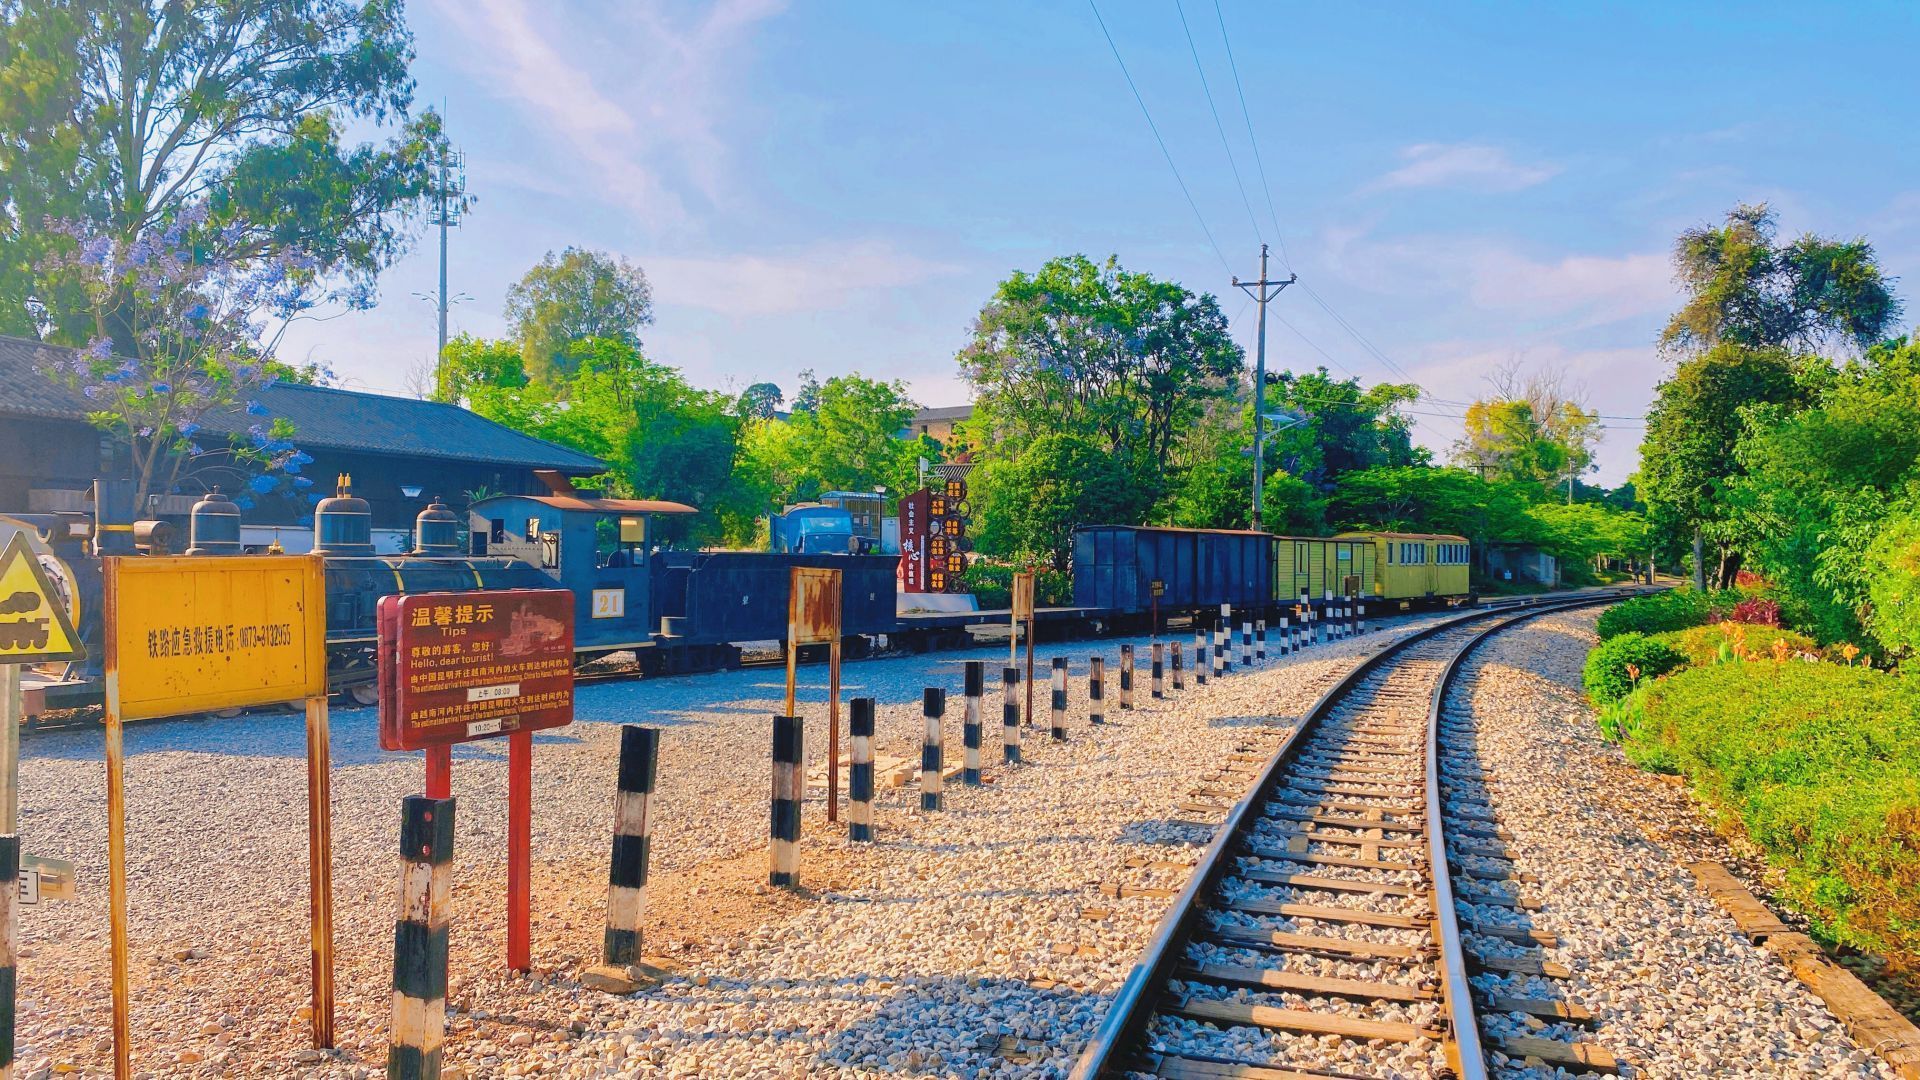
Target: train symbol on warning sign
[{"x": 33, "y": 623}]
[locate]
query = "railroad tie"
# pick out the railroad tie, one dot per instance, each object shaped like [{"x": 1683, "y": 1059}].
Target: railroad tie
[
  {"x": 1097, "y": 691},
  {"x": 933, "y": 706},
  {"x": 1059, "y": 699},
  {"x": 783, "y": 847},
  {"x": 860, "y": 774},
  {"x": 627, "y": 866},
  {"x": 419, "y": 1026},
  {"x": 976, "y": 676},
  {"x": 1010, "y": 714}
]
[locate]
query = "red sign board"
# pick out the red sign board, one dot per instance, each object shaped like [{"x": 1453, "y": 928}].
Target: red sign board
[
  {"x": 914, "y": 519},
  {"x": 455, "y": 667}
]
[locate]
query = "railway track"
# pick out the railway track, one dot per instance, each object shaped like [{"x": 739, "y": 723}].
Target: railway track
[{"x": 1333, "y": 926}]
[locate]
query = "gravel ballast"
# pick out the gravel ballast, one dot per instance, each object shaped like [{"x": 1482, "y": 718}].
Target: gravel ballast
[
  {"x": 1676, "y": 990},
  {"x": 958, "y": 930}
]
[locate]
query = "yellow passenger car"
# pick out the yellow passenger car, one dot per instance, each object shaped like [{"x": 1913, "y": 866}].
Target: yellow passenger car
[
  {"x": 1319, "y": 566},
  {"x": 1416, "y": 567}
]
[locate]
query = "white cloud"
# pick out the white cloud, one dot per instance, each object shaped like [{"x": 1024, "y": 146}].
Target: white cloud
[
  {"x": 1461, "y": 165},
  {"x": 812, "y": 279},
  {"x": 647, "y": 130}
]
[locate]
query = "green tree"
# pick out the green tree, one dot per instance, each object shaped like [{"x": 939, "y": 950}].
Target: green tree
[
  {"x": 1687, "y": 459},
  {"x": 848, "y": 441},
  {"x": 1030, "y": 505},
  {"x": 576, "y": 296},
  {"x": 119, "y": 116},
  {"x": 1746, "y": 288},
  {"x": 1346, "y": 427},
  {"x": 1530, "y": 429},
  {"x": 1116, "y": 357},
  {"x": 760, "y": 401},
  {"x": 1893, "y": 584}
]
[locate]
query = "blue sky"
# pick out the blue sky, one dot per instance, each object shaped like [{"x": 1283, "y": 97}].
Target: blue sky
[{"x": 838, "y": 186}]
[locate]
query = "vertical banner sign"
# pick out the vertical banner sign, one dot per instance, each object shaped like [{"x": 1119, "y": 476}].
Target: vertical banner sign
[
  {"x": 455, "y": 667},
  {"x": 915, "y": 532},
  {"x": 186, "y": 635},
  {"x": 1022, "y": 612},
  {"x": 813, "y": 618}
]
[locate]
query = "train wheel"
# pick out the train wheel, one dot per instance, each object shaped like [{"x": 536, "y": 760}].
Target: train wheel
[{"x": 364, "y": 694}]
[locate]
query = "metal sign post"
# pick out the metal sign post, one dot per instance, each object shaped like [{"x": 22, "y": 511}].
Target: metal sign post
[
  {"x": 34, "y": 628},
  {"x": 459, "y": 667},
  {"x": 186, "y": 635},
  {"x": 813, "y": 618}
]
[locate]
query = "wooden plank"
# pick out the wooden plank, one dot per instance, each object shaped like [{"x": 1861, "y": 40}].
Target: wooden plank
[
  {"x": 1262, "y": 851},
  {"x": 1179, "y": 1068},
  {"x": 1575, "y": 1056},
  {"x": 1344, "y": 822},
  {"x": 1194, "y": 807},
  {"x": 1479, "y": 896},
  {"x": 1565, "y": 1011},
  {"x": 1754, "y": 918},
  {"x": 1513, "y": 933},
  {"x": 1327, "y": 884},
  {"x": 1521, "y": 965},
  {"x": 1320, "y": 836},
  {"x": 1314, "y": 943},
  {"x": 1872, "y": 1022},
  {"x": 1263, "y": 1016},
  {"x": 1314, "y": 787},
  {"x": 1329, "y": 913},
  {"x": 1267, "y": 978}
]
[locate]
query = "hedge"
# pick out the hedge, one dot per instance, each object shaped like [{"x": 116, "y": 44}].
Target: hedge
[
  {"x": 1606, "y": 676},
  {"x": 1820, "y": 763},
  {"x": 1675, "y": 609},
  {"x": 1719, "y": 642}
]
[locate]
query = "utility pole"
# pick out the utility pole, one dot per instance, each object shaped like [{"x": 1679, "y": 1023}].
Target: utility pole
[
  {"x": 1258, "y": 290},
  {"x": 449, "y": 207}
]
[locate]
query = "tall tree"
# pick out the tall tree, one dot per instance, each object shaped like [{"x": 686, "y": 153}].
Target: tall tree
[
  {"x": 760, "y": 401},
  {"x": 1029, "y": 505},
  {"x": 1744, "y": 287},
  {"x": 1116, "y": 356},
  {"x": 849, "y": 440},
  {"x": 119, "y": 116},
  {"x": 1532, "y": 428},
  {"x": 1687, "y": 459},
  {"x": 573, "y": 296}
]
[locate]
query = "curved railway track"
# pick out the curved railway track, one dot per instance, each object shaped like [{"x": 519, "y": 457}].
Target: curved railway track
[{"x": 1333, "y": 925}]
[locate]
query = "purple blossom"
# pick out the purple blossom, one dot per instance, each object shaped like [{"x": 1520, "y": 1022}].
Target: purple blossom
[
  {"x": 254, "y": 408},
  {"x": 263, "y": 484}
]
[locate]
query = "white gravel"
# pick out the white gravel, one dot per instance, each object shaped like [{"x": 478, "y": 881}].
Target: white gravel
[
  {"x": 957, "y": 927},
  {"x": 1676, "y": 990}
]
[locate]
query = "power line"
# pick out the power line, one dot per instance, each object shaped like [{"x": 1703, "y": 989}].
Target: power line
[
  {"x": 1155, "y": 128},
  {"x": 1267, "y": 188},
  {"x": 1217, "y": 125}
]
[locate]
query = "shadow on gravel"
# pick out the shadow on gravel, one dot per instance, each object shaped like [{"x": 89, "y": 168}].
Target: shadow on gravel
[
  {"x": 1167, "y": 832},
  {"x": 961, "y": 1026}
]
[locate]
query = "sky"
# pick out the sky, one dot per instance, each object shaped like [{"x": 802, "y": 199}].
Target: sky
[{"x": 839, "y": 186}]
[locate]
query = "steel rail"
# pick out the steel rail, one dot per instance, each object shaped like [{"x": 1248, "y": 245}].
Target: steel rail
[
  {"x": 1123, "y": 1028},
  {"x": 1464, "y": 1050}
]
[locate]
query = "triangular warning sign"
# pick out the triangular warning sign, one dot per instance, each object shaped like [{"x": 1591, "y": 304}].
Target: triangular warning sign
[{"x": 34, "y": 626}]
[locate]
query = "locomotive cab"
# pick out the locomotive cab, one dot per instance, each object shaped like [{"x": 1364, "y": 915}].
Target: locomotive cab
[{"x": 598, "y": 548}]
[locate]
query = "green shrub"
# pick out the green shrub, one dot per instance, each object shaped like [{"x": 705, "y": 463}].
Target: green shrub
[
  {"x": 1716, "y": 642},
  {"x": 1675, "y": 609},
  {"x": 1821, "y": 765},
  {"x": 992, "y": 585},
  {"x": 1606, "y": 676}
]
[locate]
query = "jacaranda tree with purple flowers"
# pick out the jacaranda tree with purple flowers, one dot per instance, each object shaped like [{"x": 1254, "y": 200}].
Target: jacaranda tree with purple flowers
[{"x": 179, "y": 334}]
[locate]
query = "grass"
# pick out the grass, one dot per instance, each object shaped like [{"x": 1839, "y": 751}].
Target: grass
[{"x": 1819, "y": 764}]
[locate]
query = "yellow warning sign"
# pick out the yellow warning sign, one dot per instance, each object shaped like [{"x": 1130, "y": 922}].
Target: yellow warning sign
[
  {"x": 34, "y": 626},
  {"x": 187, "y": 634}
]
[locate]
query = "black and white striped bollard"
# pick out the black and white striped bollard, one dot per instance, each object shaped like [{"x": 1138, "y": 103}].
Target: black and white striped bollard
[
  {"x": 1126, "y": 676},
  {"x": 1220, "y": 651},
  {"x": 783, "y": 848},
  {"x": 1200, "y": 658},
  {"x": 9, "y": 946},
  {"x": 1097, "y": 690},
  {"x": 420, "y": 939},
  {"x": 1059, "y": 701},
  {"x": 1159, "y": 687},
  {"x": 933, "y": 755},
  {"x": 1360, "y": 612},
  {"x": 1179, "y": 676},
  {"x": 1010, "y": 714},
  {"x": 970, "y": 735},
  {"x": 1259, "y": 639},
  {"x": 1246, "y": 643},
  {"x": 860, "y": 771},
  {"x": 618, "y": 971}
]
